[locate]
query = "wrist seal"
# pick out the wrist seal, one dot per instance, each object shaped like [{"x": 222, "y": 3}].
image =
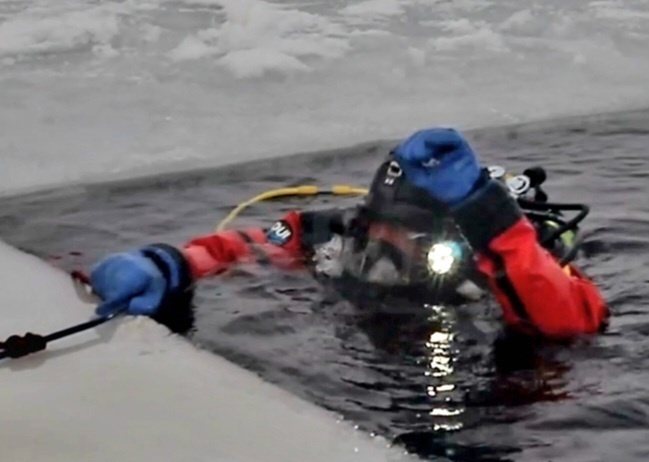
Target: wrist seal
[
  {"x": 486, "y": 213},
  {"x": 176, "y": 310}
]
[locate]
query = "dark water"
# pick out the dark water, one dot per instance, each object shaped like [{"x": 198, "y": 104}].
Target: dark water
[{"x": 441, "y": 381}]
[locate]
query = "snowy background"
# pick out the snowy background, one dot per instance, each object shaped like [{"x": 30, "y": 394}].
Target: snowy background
[{"x": 92, "y": 89}]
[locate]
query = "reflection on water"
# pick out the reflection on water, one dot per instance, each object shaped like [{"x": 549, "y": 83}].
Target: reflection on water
[{"x": 441, "y": 358}]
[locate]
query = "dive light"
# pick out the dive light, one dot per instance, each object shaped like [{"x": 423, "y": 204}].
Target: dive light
[{"x": 442, "y": 257}]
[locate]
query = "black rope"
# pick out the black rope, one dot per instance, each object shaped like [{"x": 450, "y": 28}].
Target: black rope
[{"x": 17, "y": 346}]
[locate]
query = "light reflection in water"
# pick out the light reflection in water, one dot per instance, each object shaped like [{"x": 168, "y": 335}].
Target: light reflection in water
[{"x": 440, "y": 367}]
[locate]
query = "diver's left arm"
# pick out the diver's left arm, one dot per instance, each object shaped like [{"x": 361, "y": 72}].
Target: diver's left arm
[{"x": 536, "y": 293}]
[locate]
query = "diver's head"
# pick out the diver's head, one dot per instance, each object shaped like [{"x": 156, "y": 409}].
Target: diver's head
[{"x": 401, "y": 236}]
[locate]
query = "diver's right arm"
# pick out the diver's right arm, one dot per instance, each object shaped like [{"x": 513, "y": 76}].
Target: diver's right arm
[
  {"x": 280, "y": 245},
  {"x": 284, "y": 244},
  {"x": 144, "y": 280},
  {"x": 157, "y": 280}
]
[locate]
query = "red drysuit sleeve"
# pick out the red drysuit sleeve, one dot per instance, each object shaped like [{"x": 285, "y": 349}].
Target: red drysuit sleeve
[
  {"x": 534, "y": 291},
  {"x": 279, "y": 245},
  {"x": 536, "y": 294}
]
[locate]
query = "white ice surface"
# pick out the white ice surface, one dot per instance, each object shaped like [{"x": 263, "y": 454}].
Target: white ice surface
[
  {"x": 130, "y": 391},
  {"x": 93, "y": 89}
]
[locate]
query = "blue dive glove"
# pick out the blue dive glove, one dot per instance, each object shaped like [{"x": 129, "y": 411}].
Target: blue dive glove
[
  {"x": 440, "y": 161},
  {"x": 138, "y": 281}
]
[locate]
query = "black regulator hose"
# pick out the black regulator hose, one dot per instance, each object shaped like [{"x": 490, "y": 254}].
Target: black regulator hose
[{"x": 564, "y": 225}]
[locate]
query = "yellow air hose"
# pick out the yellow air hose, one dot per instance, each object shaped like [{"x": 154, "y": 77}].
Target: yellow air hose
[{"x": 295, "y": 191}]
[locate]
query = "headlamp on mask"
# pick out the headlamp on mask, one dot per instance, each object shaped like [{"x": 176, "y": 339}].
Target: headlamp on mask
[{"x": 443, "y": 257}]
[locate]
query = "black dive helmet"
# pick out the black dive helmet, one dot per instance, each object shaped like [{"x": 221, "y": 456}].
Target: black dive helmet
[
  {"x": 443, "y": 257},
  {"x": 393, "y": 199}
]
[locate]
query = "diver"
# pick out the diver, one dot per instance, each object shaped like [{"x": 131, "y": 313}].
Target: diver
[{"x": 433, "y": 219}]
